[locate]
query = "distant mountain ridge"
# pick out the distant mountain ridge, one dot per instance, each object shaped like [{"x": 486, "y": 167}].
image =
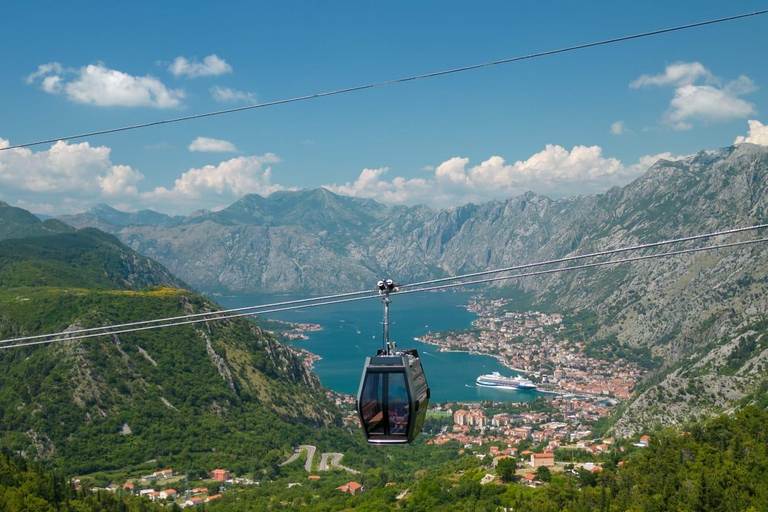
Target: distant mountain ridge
[
  {"x": 19, "y": 223},
  {"x": 676, "y": 307}
]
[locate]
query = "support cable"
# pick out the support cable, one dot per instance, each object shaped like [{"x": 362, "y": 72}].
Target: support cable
[
  {"x": 255, "y": 309},
  {"x": 393, "y": 81},
  {"x": 64, "y": 336}
]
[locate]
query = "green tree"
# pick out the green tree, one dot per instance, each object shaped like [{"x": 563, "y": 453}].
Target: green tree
[
  {"x": 506, "y": 469},
  {"x": 543, "y": 473}
]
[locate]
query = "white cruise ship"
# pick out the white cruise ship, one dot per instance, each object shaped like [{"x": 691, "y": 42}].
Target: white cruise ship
[{"x": 497, "y": 380}]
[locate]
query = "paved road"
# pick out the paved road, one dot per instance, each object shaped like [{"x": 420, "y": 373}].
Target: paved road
[
  {"x": 335, "y": 462},
  {"x": 326, "y": 460},
  {"x": 297, "y": 453}
]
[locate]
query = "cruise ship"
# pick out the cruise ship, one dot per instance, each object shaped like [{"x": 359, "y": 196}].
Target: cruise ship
[{"x": 497, "y": 380}]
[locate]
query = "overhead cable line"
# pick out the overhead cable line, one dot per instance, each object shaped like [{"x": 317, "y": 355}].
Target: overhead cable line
[
  {"x": 608, "y": 252},
  {"x": 253, "y": 309},
  {"x": 394, "y": 81},
  {"x": 65, "y": 337}
]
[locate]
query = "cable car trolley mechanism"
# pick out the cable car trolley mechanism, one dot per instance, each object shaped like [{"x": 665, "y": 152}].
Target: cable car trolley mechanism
[{"x": 393, "y": 396}]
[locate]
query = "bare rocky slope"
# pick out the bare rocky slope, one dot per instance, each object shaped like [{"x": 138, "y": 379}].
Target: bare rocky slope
[{"x": 676, "y": 307}]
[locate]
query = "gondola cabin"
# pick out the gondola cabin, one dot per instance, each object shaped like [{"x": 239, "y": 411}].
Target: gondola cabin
[{"x": 393, "y": 397}]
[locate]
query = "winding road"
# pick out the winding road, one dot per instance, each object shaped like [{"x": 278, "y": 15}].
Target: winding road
[
  {"x": 325, "y": 463},
  {"x": 335, "y": 462},
  {"x": 297, "y": 453}
]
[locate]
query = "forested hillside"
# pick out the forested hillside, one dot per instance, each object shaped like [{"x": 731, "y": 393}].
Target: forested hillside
[
  {"x": 198, "y": 395},
  {"x": 26, "y": 487},
  {"x": 720, "y": 465}
]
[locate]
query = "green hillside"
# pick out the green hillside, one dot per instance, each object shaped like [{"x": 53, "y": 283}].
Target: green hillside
[
  {"x": 27, "y": 487},
  {"x": 19, "y": 223},
  {"x": 202, "y": 395},
  {"x": 86, "y": 259}
]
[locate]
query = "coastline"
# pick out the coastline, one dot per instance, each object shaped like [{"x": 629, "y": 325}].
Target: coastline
[{"x": 501, "y": 360}]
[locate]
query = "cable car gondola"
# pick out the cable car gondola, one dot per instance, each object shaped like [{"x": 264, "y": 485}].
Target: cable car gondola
[{"x": 393, "y": 396}]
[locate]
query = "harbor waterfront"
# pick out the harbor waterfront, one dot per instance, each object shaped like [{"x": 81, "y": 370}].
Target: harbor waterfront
[{"x": 352, "y": 331}]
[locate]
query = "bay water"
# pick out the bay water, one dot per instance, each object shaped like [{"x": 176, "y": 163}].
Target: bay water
[{"x": 352, "y": 331}]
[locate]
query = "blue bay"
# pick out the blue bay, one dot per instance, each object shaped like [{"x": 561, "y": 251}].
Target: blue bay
[{"x": 352, "y": 331}]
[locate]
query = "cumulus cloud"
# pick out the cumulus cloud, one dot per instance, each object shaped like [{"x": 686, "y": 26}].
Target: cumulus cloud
[
  {"x": 66, "y": 168},
  {"x": 554, "y": 171},
  {"x": 370, "y": 184},
  {"x": 711, "y": 102},
  {"x": 758, "y": 134},
  {"x": 208, "y": 145},
  {"x": 678, "y": 74},
  {"x": 619, "y": 128},
  {"x": 227, "y": 95},
  {"x": 96, "y": 84},
  {"x": 229, "y": 179},
  {"x": 121, "y": 180},
  {"x": 44, "y": 70},
  {"x": 212, "y": 65}
]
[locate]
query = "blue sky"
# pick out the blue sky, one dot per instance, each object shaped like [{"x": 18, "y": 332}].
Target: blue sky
[{"x": 576, "y": 123}]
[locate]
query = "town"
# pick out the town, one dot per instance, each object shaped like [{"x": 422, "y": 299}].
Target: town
[{"x": 532, "y": 343}]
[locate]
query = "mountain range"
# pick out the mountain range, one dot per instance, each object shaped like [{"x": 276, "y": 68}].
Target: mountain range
[{"x": 691, "y": 313}]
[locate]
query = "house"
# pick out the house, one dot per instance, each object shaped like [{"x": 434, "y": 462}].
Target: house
[
  {"x": 352, "y": 488},
  {"x": 193, "y": 502},
  {"x": 128, "y": 487},
  {"x": 313, "y": 477},
  {"x": 220, "y": 475},
  {"x": 214, "y": 497},
  {"x": 167, "y": 493},
  {"x": 165, "y": 473},
  {"x": 542, "y": 459},
  {"x": 530, "y": 480}
]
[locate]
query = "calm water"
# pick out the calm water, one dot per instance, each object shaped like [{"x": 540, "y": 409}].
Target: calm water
[{"x": 353, "y": 331}]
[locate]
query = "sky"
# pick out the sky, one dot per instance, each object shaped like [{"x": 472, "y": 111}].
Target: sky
[{"x": 568, "y": 124}]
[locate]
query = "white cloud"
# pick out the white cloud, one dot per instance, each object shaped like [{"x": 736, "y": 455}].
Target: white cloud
[
  {"x": 52, "y": 68},
  {"x": 554, "y": 171},
  {"x": 66, "y": 168},
  {"x": 758, "y": 134},
  {"x": 95, "y": 84},
  {"x": 212, "y": 65},
  {"x": 619, "y": 128},
  {"x": 121, "y": 180},
  {"x": 370, "y": 184},
  {"x": 232, "y": 179},
  {"x": 208, "y": 145},
  {"x": 227, "y": 95},
  {"x": 709, "y": 103},
  {"x": 678, "y": 74},
  {"x": 705, "y": 103}
]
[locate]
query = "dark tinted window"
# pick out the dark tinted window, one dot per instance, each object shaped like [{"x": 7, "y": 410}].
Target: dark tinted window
[
  {"x": 371, "y": 403},
  {"x": 397, "y": 403}
]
